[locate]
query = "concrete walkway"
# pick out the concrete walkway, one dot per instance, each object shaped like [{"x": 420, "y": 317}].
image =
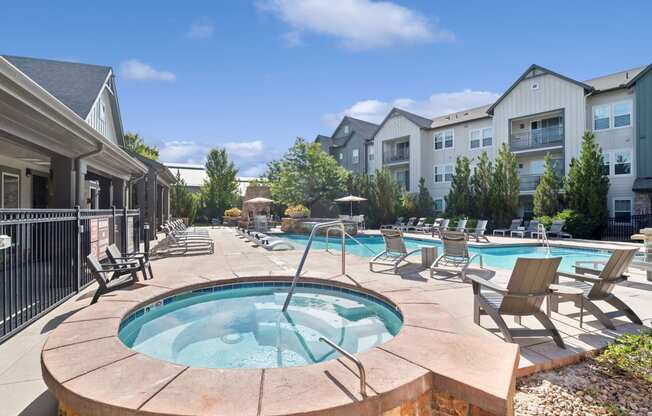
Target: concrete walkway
[{"x": 20, "y": 373}]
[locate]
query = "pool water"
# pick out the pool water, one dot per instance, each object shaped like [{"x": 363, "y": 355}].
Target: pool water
[
  {"x": 493, "y": 257},
  {"x": 242, "y": 326}
]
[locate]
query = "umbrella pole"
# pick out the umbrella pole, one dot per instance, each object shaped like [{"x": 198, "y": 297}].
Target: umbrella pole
[{"x": 351, "y": 211}]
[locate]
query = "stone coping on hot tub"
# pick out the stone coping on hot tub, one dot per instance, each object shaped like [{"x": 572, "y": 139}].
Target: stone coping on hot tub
[{"x": 90, "y": 371}]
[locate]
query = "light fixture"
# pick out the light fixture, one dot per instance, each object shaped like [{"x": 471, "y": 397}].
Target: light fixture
[{"x": 28, "y": 172}]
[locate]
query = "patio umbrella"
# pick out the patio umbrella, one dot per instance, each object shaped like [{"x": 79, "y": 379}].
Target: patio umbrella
[
  {"x": 259, "y": 200},
  {"x": 351, "y": 199}
]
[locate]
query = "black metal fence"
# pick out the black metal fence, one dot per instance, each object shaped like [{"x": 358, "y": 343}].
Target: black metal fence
[
  {"x": 621, "y": 229},
  {"x": 46, "y": 261}
]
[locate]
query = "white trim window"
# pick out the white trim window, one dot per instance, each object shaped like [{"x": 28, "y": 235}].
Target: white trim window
[
  {"x": 346, "y": 129},
  {"x": 355, "y": 156},
  {"x": 443, "y": 173},
  {"x": 440, "y": 205},
  {"x": 606, "y": 165},
  {"x": 443, "y": 140},
  {"x": 370, "y": 154},
  {"x": 622, "y": 114},
  {"x": 622, "y": 209},
  {"x": 601, "y": 117},
  {"x": 10, "y": 190},
  {"x": 622, "y": 162},
  {"x": 480, "y": 138},
  {"x": 341, "y": 156},
  {"x": 487, "y": 137}
]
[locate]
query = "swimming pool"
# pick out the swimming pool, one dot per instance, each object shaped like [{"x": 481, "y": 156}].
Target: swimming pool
[
  {"x": 496, "y": 257},
  {"x": 241, "y": 325}
]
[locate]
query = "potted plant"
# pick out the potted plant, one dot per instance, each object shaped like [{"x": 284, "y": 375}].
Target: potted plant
[{"x": 297, "y": 211}]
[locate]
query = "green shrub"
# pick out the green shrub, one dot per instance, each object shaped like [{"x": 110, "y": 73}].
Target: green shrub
[
  {"x": 576, "y": 224},
  {"x": 630, "y": 355},
  {"x": 297, "y": 211},
  {"x": 545, "y": 220},
  {"x": 232, "y": 212}
]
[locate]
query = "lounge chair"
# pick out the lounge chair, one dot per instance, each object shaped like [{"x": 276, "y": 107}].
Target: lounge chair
[
  {"x": 410, "y": 224},
  {"x": 105, "y": 275},
  {"x": 185, "y": 235},
  {"x": 176, "y": 243},
  {"x": 528, "y": 286},
  {"x": 180, "y": 226},
  {"x": 456, "y": 258},
  {"x": 479, "y": 231},
  {"x": 399, "y": 223},
  {"x": 557, "y": 230},
  {"x": 532, "y": 229},
  {"x": 425, "y": 227},
  {"x": 600, "y": 285},
  {"x": 439, "y": 229},
  {"x": 513, "y": 227},
  {"x": 461, "y": 226},
  {"x": 395, "y": 251},
  {"x": 421, "y": 222},
  {"x": 270, "y": 242},
  {"x": 116, "y": 257}
]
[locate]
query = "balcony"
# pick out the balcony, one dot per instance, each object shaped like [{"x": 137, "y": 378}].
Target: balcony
[
  {"x": 537, "y": 138},
  {"x": 530, "y": 182},
  {"x": 396, "y": 153}
]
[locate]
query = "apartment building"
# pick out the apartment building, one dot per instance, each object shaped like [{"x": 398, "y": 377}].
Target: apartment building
[
  {"x": 351, "y": 144},
  {"x": 542, "y": 112}
]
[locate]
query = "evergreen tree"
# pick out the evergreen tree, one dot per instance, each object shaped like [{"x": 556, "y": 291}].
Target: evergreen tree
[
  {"x": 586, "y": 185},
  {"x": 424, "y": 202},
  {"x": 505, "y": 188},
  {"x": 481, "y": 185},
  {"x": 546, "y": 196},
  {"x": 460, "y": 198},
  {"x": 383, "y": 196},
  {"x": 183, "y": 203},
  {"x": 219, "y": 190}
]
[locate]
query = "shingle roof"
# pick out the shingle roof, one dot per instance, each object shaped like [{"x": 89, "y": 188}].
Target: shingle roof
[
  {"x": 463, "y": 116},
  {"x": 422, "y": 122},
  {"x": 75, "y": 85},
  {"x": 365, "y": 129},
  {"x": 616, "y": 80}
]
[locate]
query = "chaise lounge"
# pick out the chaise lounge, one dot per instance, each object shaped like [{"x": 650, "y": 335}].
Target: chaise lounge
[{"x": 395, "y": 251}]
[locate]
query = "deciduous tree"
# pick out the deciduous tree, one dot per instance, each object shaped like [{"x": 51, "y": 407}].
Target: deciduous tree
[
  {"x": 133, "y": 142},
  {"x": 219, "y": 190}
]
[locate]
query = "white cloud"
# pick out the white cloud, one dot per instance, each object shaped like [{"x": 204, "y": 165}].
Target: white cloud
[
  {"x": 435, "y": 105},
  {"x": 246, "y": 150},
  {"x": 255, "y": 171},
  {"x": 136, "y": 70},
  {"x": 183, "y": 151},
  {"x": 358, "y": 24},
  {"x": 201, "y": 29},
  {"x": 292, "y": 39}
]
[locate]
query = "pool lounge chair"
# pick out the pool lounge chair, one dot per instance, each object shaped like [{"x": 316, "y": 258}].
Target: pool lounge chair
[
  {"x": 557, "y": 230},
  {"x": 410, "y": 224},
  {"x": 395, "y": 251},
  {"x": 176, "y": 245},
  {"x": 523, "y": 295},
  {"x": 513, "y": 227},
  {"x": 421, "y": 222},
  {"x": 114, "y": 255},
  {"x": 532, "y": 229},
  {"x": 425, "y": 227},
  {"x": 105, "y": 275},
  {"x": 455, "y": 259},
  {"x": 399, "y": 223},
  {"x": 598, "y": 283},
  {"x": 443, "y": 226},
  {"x": 479, "y": 231},
  {"x": 460, "y": 226},
  {"x": 271, "y": 243}
]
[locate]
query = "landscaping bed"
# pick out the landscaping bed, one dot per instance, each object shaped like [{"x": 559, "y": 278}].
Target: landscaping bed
[{"x": 617, "y": 382}]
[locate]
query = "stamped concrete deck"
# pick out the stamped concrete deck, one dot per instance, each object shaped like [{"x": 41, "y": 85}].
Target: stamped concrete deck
[{"x": 428, "y": 305}]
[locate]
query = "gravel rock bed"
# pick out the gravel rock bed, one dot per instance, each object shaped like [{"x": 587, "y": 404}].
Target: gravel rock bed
[{"x": 583, "y": 389}]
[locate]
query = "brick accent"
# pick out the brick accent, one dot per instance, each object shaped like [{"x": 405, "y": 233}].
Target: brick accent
[
  {"x": 437, "y": 403},
  {"x": 642, "y": 203}
]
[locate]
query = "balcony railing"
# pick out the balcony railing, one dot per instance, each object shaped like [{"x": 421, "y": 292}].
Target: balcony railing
[
  {"x": 537, "y": 138},
  {"x": 530, "y": 182},
  {"x": 396, "y": 157}
]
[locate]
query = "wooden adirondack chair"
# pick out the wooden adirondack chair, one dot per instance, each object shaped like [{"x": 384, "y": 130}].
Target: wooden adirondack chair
[
  {"x": 528, "y": 286},
  {"x": 116, "y": 257},
  {"x": 105, "y": 275},
  {"x": 600, "y": 285},
  {"x": 455, "y": 259},
  {"x": 395, "y": 251}
]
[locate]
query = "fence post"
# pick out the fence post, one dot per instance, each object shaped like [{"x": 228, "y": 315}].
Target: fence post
[
  {"x": 78, "y": 262},
  {"x": 125, "y": 232},
  {"x": 113, "y": 225},
  {"x": 146, "y": 237}
]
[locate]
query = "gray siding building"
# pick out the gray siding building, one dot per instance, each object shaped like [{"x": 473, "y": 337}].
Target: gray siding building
[{"x": 351, "y": 144}]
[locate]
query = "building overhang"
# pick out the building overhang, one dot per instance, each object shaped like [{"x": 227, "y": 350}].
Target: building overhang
[
  {"x": 642, "y": 185},
  {"x": 34, "y": 117}
]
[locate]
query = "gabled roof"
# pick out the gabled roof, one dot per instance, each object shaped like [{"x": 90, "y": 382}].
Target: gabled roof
[
  {"x": 463, "y": 116},
  {"x": 640, "y": 75},
  {"x": 535, "y": 67},
  {"x": 616, "y": 80},
  {"x": 75, "y": 85},
  {"x": 421, "y": 122},
  {"x": 365, "y": 129}
]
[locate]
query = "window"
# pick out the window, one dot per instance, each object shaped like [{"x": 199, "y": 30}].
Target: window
[
  {"x": 474, "y": 139},
  {"x": 443, "y": 173},
  {"x": 10, "y": 190},
  {"x": 622, "y": 162},
  {"x": 341, "y": 156},
  {"x": 601, "y": 117},
  {"x": 606, "y": 166},
  {"x": 622, "y": 114},
  {"x": 443, "y": 140},
  {"x": 370, "y": 153},
  {"x": 487, "y": 137},
  {"x": 355, "y": 156},
  {"x": 439, "y": 205},
  {"x": 438, "y": 174},
  {"x": 448, "y": 173},
  {"x": 346, "y": 129},
  {"x": 622, "y": 210}
]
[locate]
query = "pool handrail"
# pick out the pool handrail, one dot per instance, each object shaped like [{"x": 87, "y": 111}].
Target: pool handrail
[
  {"x": 357, "y": 362},
  {"x": 316, "y": 228},
  {"x": 351, "y": 237}
]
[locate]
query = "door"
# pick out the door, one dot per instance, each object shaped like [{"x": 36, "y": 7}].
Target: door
[
  {"x": 39, "y": 191},
  {"x": 10, "y": 190}
]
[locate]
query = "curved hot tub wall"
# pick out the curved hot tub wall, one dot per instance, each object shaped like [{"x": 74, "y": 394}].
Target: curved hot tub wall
[{"x": 305, "y": 226}]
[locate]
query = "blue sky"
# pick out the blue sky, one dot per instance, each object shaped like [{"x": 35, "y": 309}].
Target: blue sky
[{"x": 252, "y": 75}]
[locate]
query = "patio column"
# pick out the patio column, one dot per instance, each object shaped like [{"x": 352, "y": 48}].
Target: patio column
[
  {"x": 63, "y": 183},
  {"x": 152, "y": 202},
  {"x": 118, "y": 192},
  {"x": 166, "y": 203}
]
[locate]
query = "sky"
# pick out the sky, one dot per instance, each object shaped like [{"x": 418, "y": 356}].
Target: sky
[{"x": 252, "y": 75}]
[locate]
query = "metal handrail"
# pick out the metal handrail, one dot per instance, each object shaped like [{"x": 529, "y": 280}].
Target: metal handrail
[
  {"x": 542, "y": 236},
  {"x": 351, "y": 237},
  {"x": 305, "y": 254},
  {"x": 358, "y": 363}
]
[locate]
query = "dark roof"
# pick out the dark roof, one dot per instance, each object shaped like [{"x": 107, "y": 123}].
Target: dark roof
[
  {"x": 640, "y": 75},
  {"x": 463, "y": 116},
  {"x": 324, "y": 140},
  {"x": 527, "y": 71},
  {"x": 365, "y": 129},
  {"x": 422, "y": 122},
  {"x": 642, "y": 185},
  {"x": 75, "y": 85}
]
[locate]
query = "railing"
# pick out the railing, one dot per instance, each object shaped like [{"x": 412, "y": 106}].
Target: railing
[
  {"x": 396, "y": 157},
  {"x": 313, "y": 233},
  {"x": 46, "y": 261},
  {"x": 347, "y": 235},
  {"x": 537, "y": 138},
  {"x": 542, "y": 237},
  {"x": 358, "y": 363},
  {"x": 622, "y": 229},
  {"x": 529, "y": 183}
]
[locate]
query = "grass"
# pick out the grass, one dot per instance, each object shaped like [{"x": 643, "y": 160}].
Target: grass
[{"x": 630, "y": 355}]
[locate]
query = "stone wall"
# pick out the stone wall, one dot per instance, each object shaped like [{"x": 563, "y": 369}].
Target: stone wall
[
  {"x": 642, "y": 203},
  {"x": 436, "y": 403}
]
